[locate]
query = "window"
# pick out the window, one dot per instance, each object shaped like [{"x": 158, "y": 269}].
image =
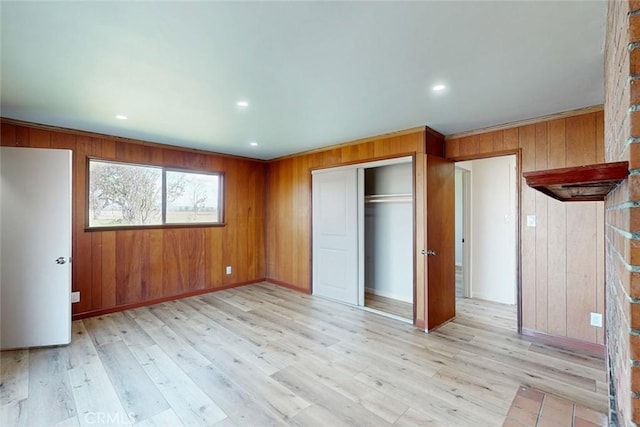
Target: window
[
  {"x": 131, "y": 195},
  {"x": 192, "y": 197}
]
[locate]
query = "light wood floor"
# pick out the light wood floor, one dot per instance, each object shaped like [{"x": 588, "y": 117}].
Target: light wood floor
[
  {"x": 389, "y": 305},
  {"x": 262, "y": 355}
]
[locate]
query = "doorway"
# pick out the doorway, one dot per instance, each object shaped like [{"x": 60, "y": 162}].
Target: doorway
[
  {"x": 462, "y": 229},
  {"x": 486, "y": 225}
]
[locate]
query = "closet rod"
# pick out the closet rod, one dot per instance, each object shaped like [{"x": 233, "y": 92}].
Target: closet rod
[{"x": 389, "y": 198}]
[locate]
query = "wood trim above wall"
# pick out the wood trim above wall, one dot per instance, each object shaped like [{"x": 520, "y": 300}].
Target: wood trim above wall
[
  {"x": 535, "y": 120},
  {"x": 359, "y": 141},
  {"x": 480, "y": 156},
  {"x": 51, "y": 128}
]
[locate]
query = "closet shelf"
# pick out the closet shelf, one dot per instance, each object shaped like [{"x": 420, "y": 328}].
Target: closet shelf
[
  {"x": 578, "y": 184},
  {"x": 389, "y": 198}
]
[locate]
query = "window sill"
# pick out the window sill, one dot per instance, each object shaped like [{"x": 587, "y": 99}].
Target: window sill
[{"x": 155, "y": 227}]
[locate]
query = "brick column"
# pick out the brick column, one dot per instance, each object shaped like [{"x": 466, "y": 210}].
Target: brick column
[{"x": 622, "y": 142}]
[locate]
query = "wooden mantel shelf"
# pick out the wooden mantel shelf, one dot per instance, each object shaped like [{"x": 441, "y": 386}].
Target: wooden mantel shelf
[{"x": 580, "y": 183}]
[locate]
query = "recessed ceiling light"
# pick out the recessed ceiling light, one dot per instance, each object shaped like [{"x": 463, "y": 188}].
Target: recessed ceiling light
[
  {"x": 253, "y": 144},
  {"x": 242, "y": 104},
  {"x": 439, "y": 88},
  {"x": 121, "y": 117}
]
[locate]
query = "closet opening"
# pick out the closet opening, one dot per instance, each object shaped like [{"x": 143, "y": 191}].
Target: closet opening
[
  {"x": 388, "y": 239},
  {"x": 363, "y": 236}
]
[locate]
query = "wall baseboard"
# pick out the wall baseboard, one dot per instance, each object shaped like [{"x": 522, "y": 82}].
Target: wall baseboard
[
  {"x": 572, "y": 344},
  {"x": 288, "y": 286},
  {"x": 483, "y": 297},
  {"x": 123, "y": 307}
]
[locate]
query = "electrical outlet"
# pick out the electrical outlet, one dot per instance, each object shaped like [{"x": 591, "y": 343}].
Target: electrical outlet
[
  {"x": 75, "y": 297},
  {"x": 596, "y": 320},
  {"x": 228, "y": 269}
]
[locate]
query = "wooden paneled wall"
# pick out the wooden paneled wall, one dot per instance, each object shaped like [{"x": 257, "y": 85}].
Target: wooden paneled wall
[
  {"x": 118, "y": 269},
  {"x": 289, "y": 203},
  {"x": 562, "y": 258}
]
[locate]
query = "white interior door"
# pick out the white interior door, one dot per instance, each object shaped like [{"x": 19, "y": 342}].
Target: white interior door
[
  {"x": 35, "y": 247},
  {"x": 335, "y": 234}
]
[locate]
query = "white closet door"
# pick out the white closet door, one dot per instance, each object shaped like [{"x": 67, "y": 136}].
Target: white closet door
[
  {"x": 335, "y": 234},
  {"x": 35, "y": 241}
]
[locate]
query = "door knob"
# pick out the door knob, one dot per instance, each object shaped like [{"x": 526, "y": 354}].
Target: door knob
[{"x": 61, "y": 260}]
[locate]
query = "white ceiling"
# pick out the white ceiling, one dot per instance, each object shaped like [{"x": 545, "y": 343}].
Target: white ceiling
[{"x": 314, "y": 73}]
